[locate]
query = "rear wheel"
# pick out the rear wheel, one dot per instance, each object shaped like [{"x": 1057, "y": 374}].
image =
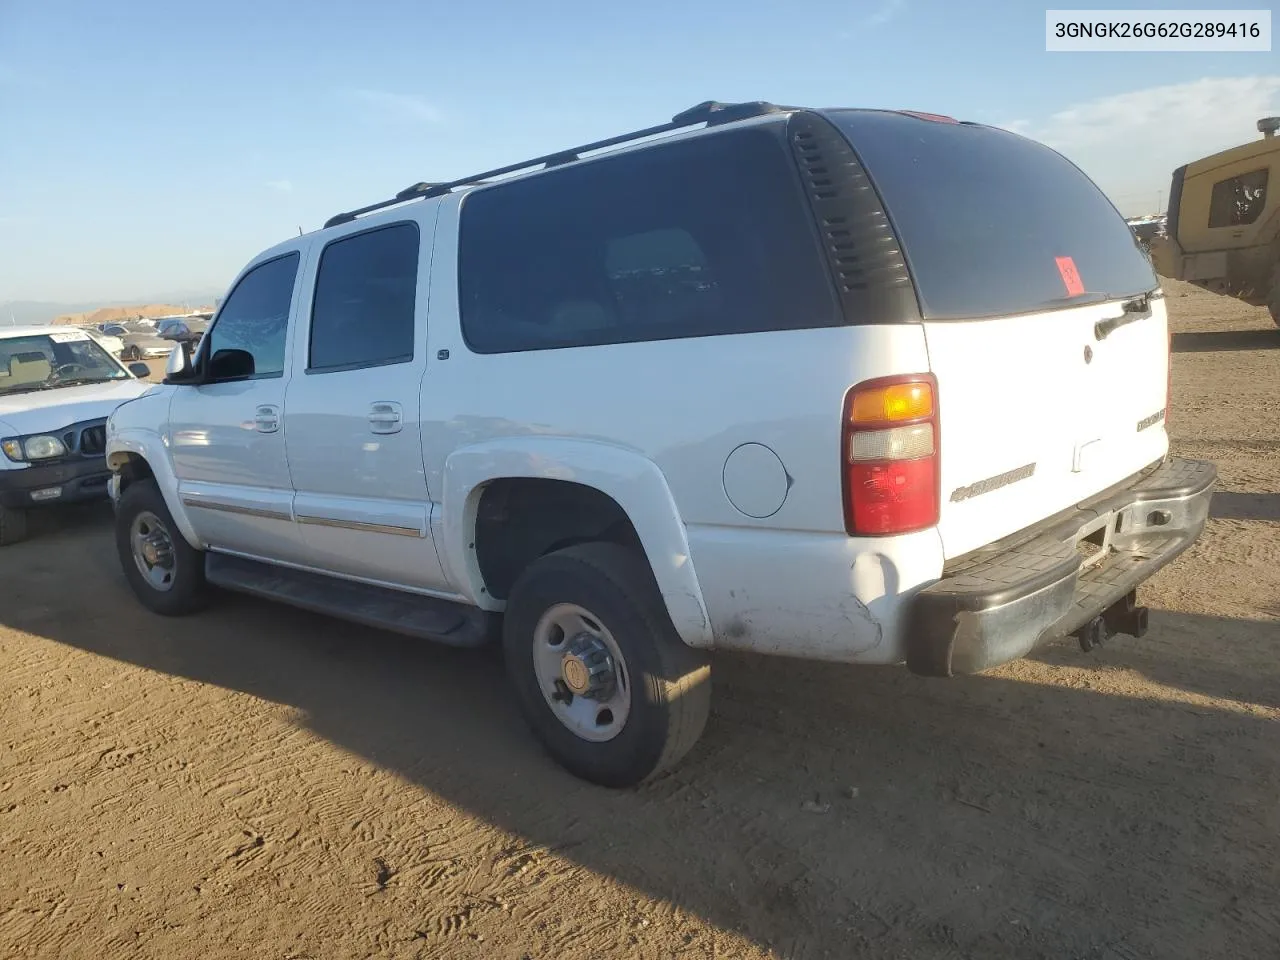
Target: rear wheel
[
  {"x": 608, "y": 686},
  {"x": 165, "y": 572},
  {"x": 13, "y": 526}
]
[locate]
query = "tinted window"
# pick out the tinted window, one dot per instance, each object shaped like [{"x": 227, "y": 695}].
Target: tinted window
[
  {"x": 366, "y": 286},
  {"x": 254, "y": 320},
  {"x": 696, "y": 238},
  {"x": 986, "y": 218},
  {"x": 1239, "y": 201}
]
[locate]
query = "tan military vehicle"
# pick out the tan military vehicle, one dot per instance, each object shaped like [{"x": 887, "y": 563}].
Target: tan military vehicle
[{"x": 1223, "y": 231}]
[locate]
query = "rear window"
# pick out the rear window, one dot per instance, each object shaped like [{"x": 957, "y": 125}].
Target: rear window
[
  {"x": 698, "y": 238},
  {"x": 991, "y": 223}
]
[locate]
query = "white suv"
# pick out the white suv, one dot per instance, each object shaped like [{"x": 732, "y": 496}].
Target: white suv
[{"x": 850, "y": 385}]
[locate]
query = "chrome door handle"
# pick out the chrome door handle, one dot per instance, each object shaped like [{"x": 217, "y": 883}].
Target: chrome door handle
[
  {"x": 267, "y": 419},
  {"x": 385, "y": 417}
]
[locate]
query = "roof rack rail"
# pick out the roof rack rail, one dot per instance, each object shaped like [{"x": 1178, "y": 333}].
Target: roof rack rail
[{"x": 710, "y": 112}]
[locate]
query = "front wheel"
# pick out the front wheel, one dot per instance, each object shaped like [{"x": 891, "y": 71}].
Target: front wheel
[
  {"x": 608, "y": 686},
  {"x": 165, "y": 572}
]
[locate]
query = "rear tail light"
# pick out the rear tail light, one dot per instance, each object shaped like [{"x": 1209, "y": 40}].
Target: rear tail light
[{"x": 890, "y": 456}]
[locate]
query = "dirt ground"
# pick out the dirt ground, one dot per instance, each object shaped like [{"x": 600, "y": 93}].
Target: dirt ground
[{"x": 258, "y": 782}]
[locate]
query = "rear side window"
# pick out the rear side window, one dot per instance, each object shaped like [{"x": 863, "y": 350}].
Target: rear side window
[
  {"x": 992, "y": 223},
  {"x": 695, "y": 238},
  {"x": 363, "y": 311},
  {"x": 248, "y": 338},
  {"x": 1238, "y": 202}
]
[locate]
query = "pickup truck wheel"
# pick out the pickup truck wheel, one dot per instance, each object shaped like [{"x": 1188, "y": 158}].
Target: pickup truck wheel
[
  {"x": 606, "y": 683},
  {"x": 165, "y": 572},
  {"x": 13, "y": 526}
]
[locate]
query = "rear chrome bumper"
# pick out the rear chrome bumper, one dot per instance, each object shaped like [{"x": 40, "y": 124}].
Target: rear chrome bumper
[{"x": 1002, "y": 602}]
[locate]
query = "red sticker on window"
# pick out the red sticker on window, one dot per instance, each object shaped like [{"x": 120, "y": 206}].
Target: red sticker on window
[{"x": 1070, "y": 276}]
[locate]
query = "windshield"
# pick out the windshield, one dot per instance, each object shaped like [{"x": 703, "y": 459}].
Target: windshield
[
  {"x": 991, "y": 223},
  {"x": 60, "y": 358}
]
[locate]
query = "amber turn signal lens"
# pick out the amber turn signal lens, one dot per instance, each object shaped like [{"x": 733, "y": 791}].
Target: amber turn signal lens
[{"x": 892, "y": 403}]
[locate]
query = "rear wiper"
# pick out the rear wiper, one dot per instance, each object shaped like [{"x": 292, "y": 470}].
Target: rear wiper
[
  {"x": 1139, "y": 308},
  {"x": 1079, "y": 299}
]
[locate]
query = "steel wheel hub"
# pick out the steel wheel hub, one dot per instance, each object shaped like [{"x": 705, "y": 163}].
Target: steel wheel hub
[
  {"x": 581, "y": 672},
  {"x": 587, "y": 668},
  {"x": 152, "y": 550},
  {"x": 157, "y": 551}
]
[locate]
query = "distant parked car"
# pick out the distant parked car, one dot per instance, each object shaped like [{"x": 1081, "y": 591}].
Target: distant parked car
[
  {"x": 139, "y": 342},
  {"x": 182, "y": 328},
  {"x": 112, "y": 344}
]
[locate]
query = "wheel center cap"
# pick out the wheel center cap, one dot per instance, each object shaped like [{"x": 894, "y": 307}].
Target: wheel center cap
[
  {"x": 576, "y": 676},
  {"x": 587, "y": 669},
  {"x": 149, "y": 553}
]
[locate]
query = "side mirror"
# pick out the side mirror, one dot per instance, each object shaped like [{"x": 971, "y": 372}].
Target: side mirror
[
  {"x": 179, "y": 368},
  {"x": 231, "y": 365},
  {"x": 140, "y": 370}
]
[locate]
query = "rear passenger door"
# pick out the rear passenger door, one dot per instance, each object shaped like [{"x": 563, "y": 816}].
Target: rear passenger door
[{"x": 351, "y": 419}]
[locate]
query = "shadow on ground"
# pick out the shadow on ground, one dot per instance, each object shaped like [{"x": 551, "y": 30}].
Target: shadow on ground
[
  {"x": 1230, "y": 505},
  {"x": 1214, "y": 341},
  {"x": 1011, "y": 815}
]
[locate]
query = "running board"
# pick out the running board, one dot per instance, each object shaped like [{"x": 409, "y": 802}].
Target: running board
[{"x": 443, "y": 621}]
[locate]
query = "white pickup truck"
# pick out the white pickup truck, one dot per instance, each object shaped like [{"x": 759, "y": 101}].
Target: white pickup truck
[
  {"x": 866, "y": 386},
  {"x": 57, "y": 387}
]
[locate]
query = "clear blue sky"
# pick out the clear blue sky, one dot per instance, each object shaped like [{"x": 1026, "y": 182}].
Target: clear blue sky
[{"x": 151, "y": 147}]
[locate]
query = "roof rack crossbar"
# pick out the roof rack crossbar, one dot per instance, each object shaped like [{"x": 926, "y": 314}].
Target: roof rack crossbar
[{"x": 710, "y": 112}]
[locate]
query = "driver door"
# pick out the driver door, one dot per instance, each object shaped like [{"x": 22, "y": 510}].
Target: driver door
[{"x": 226, "y": 434}]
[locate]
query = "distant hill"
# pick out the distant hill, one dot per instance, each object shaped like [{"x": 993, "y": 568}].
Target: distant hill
[
  {"x": 130, "y": 312},
  {"x": 37, "y": 312}
]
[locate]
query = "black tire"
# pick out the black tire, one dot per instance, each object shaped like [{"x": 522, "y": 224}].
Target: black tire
[
  {"x": 670, "y": 681},
  {"x": 188, "y": 592},
  {"x": 13, "y": 526}
]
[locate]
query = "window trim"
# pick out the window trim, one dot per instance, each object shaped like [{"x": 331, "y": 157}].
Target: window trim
[
  {"x": 310, "y": 369},
  {"x": 775, "y": 130},
  {"x": 1266, "y": 190},
  {"x": 202, "y": 361}
]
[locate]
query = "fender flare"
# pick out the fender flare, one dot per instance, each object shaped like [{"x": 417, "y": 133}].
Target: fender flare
[
  {"x": 132, "y": 442},
  {"x": 631, "y": 479}
]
